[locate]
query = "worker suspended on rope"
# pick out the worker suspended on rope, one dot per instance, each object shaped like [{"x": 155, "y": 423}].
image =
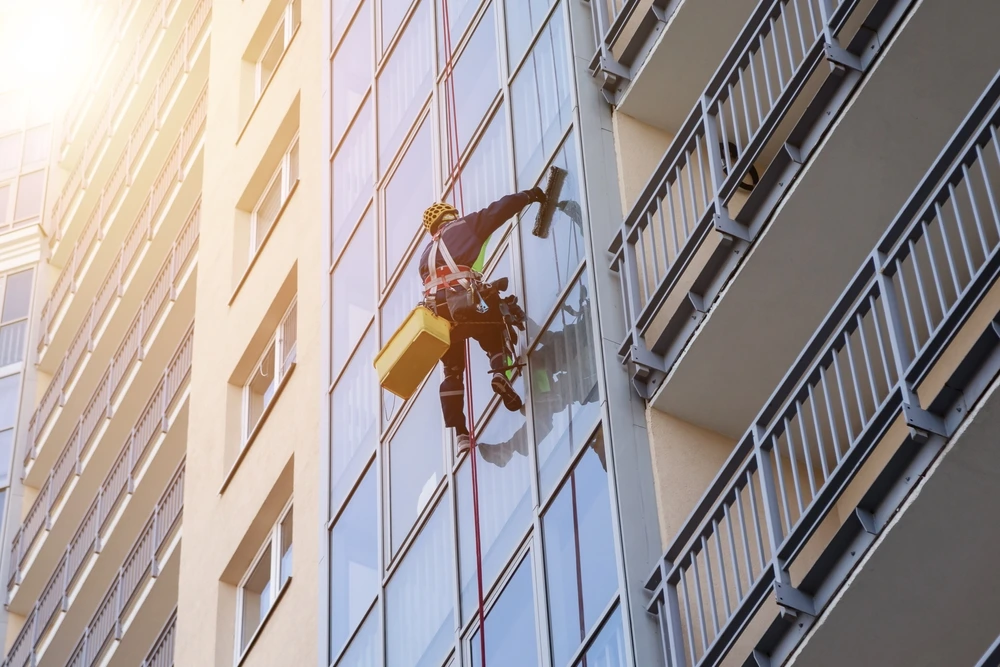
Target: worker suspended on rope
[{"x": 453, "y": 290}]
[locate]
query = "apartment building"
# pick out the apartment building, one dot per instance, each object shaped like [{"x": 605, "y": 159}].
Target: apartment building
[{"x": 92, "y": 567}]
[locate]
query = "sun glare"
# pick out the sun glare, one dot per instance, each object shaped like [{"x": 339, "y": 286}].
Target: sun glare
[{"x": 46, "y": 47}]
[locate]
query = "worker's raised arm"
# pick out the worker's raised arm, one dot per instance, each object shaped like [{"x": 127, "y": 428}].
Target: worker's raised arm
[{"x": 493, "y": 216}]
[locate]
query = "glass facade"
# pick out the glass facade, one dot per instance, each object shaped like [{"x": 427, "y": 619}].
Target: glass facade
[{"x": 403, "y": 585}]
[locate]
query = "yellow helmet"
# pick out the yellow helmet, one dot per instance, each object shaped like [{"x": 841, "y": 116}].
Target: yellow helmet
[{"x": 434, "y": 213}]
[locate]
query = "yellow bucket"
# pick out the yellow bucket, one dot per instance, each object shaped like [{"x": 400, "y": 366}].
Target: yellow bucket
[{"x": 412, "y": 352}]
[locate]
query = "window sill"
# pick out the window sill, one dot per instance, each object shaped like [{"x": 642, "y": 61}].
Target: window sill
[
  {"x": 257, "y": 427},
  {"x": 260, "y": 249},
  {"x": 263, "y": 622},
  {"x": 263, "y": 90}
]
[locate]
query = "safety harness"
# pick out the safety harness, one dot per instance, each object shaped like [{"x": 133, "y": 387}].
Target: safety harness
[{"x": 449, "y": 275}]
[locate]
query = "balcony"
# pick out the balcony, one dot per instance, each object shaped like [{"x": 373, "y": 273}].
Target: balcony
[
  {"x": 123, "y": 602},
  {"x": 874, "y": 438},
  {"x": 52, "y": 513}
]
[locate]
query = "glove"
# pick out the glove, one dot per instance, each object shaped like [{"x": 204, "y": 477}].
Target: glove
[{"x": 536, "y": 194}]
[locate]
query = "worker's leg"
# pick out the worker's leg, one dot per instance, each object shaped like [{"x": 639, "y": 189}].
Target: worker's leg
[
  {"x": 452, "y": 390},
  {"x": 491, "y": 340}
]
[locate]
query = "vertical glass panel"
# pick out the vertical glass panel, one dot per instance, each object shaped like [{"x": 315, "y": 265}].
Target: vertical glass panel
[
  {"x": 486, "y": 175},
  {"x": 409, "y": 191},
  {"x": 564, "y": 390},
  {"x": 17, "y": 296},
  {"x": 366, "y": 647},
  {"x": 580, "y": 565},
  {"x": 551, "y": 263},
  {"x": 341, "y": 13},
  {"x": 393, "y": 12},
  {"x": 36, "y": 145},
  {"x": 405, "y": 295},
  {"x": 353, "y": 292},
  {"x": 8, "y": 400},
  {"x": 608, "y": 649},
  {"x": 353, "y": 420},
  {"x": 505, "y": 503},
  {"x": 354, "y": 576},
  {"x": 272, "y": 54},
  {"x": 352, "y": 71},
  {"x": 541, "y": 102},
  {"x": 353, "y": 174},
  {"x": 511, "y": 636},
  {"x": 266, "y": 213},
  {"x": 10, "y": 153},
  {"x": 30, "y": 189},
  {"x": 6, "y": 441},
  {"x": 416, "y": 462},
  {"x": 460, "y": 12},
  {"x": 261, "y": 388},
  {"x": 256, "y": 597},
  {"x": 477, "y": 80},
  {"x": 523, "y": 19},
  {"x": 4, "y": 203},
  {"x": 285, "y": 566},
  {"x": 419, "y": 602},
  {"x": 404, "y": 84}
]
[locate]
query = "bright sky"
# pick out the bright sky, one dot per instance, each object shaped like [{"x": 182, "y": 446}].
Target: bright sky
[{"x": 46, "y": 48}]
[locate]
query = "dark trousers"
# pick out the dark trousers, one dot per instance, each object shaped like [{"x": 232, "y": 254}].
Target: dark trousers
[{"x": 489, "y": 335}]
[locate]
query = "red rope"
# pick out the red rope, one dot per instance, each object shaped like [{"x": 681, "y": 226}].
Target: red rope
[{"x": 454, "y": 156}]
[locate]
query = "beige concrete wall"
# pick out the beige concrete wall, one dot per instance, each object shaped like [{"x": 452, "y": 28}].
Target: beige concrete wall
[
  {"x": 223, "y": 529},
  {"x": 640, "y": 147}
]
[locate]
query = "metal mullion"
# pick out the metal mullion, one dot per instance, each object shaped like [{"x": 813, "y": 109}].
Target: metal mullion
[
  {"x": 353, "y": 232},
  {"x": 602, "y": 621},
  {"x": 353, "y": 120},
  {"x": 569, "y": 469},
  {"x": 350, "y": 24},
  {"x": 459, "y": 47},
  {"x": 474, "y": 142},
  {"x": 354, "y": 633},
  {"x": 389, "y": 49},
  {"x": 382, "y": 178},
  {"x": 390, "y": 567}
]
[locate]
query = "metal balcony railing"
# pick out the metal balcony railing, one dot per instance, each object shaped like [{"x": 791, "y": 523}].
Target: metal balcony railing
[
  {"x": 140, "y": 565},
  {"x": 151, "y": 118},
  {"x": 119, "y": 483},
  {"x": 687, "y": 197},
  {"x": 856, "y": 376},
  {"x": 164, "y": 287}
]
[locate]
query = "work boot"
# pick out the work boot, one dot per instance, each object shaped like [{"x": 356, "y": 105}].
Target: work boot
[
  {"x": 505, "y": 390},
  {"x": 461, "y": 444}
]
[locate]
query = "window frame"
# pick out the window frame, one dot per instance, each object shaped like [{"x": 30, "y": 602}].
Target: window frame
[
  {"x": 285, "y": 29},
  {"x": 287, "y": 187},
  {"x": 284, "y": 364},
  {"x": 276, "y": 589}
]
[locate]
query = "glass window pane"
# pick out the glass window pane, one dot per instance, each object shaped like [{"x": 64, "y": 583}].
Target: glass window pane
[
  {"x": 404, "y": 84},
  {"x": 366, "y": 647},
  {"x": 266, "y": 213},
  {"x": 542, "y": 105},
  {"x": 409, "y": 191},
  {"x": 10, "y": 153},
  {"x": 12, "y": 342},
  {"x": 352, "y": 71},
  {"x": 511, "y": 636},
  {"x": 460, "y": 12},
  {"x": 256, "y": 597},
  {"x": 419, "y": 613},
  {"x": 272, "y": 54},
  {"x": 505, "y": 503},
  {"x": 286, "y": 549},
  {"x": 580, "y": 565},
  {"x": 564, "y": 390},
  {"x": 405, "y": 295},
  {"x": 260, "y": 388},
  {"x": 393, "y": 12},
  {"x": 6, "y": 440},
  {"x": 36, "y": 145},
  {"x": 17, "y": 296},
  {"x": 523, "y": 19},
  {"x": 353, "y": 421},
  {"x": 608, "y": 649},
  {"x": 353, "y": 292},
  {"x": 477, "y": 81},
  {"x": 354, "y": 576},
  {"x": 551, "y": 263},
  {"x": 9, "y": 396},
  {"x": 352, "y": 177},
  {"x": 30, "y": 189},
  {"x": 4, "y": 204},
  {"x": 289, "y": 333},
  {"x": 416, "y": 462}
]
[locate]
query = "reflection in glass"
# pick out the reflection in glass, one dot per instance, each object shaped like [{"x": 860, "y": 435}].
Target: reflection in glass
[
  {"x": 608, "y": 649},
  {"x": 353, "y": 174},
  {"x": 551, "y": 263},
  {"x": 542, "y": 104},
  {"x": 353, "y": 420},
  {"x": 564, "y": 392},
  {"x": 354, "y": 576},
  {"x": 404, "y": 84},
  {"x": 4, "y": 203},
  {"x": 352, "y": 71},
  {"x": 353, "y": 292},
  {"x": 416, "y": 462},
  {"x": 340, "y": 15},
  {"x": 477, "y": 81},
  {"x": 409, "y": 191},
  {"x": 419, "y": 602},
  {"x": 505, "y": 503},
  {"x": 580, "y": 565},
  {"x": 511, "y": 637},
  {"x": 366, "y": 647},
  {"x": 523, "y": 19}
]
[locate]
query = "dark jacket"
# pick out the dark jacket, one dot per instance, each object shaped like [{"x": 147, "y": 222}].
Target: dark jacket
[{"x": 466, "y": 236}]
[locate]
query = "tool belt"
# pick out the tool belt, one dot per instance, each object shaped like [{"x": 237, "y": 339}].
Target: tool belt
[{"x": 460, "y": 284}]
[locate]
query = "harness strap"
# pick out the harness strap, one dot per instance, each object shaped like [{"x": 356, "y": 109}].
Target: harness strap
[{"x": 460, "y": 274}]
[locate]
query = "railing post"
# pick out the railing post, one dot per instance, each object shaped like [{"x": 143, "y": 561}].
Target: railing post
[
  {"x": 670, "y": 622},
  {"x": 49, "y": 499},
  {"x": 63, "y": 604},
  {"x": 78, "y": 466},
  {"x": 154, "y": 569},
  {"x": 165, "y": 399}
]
